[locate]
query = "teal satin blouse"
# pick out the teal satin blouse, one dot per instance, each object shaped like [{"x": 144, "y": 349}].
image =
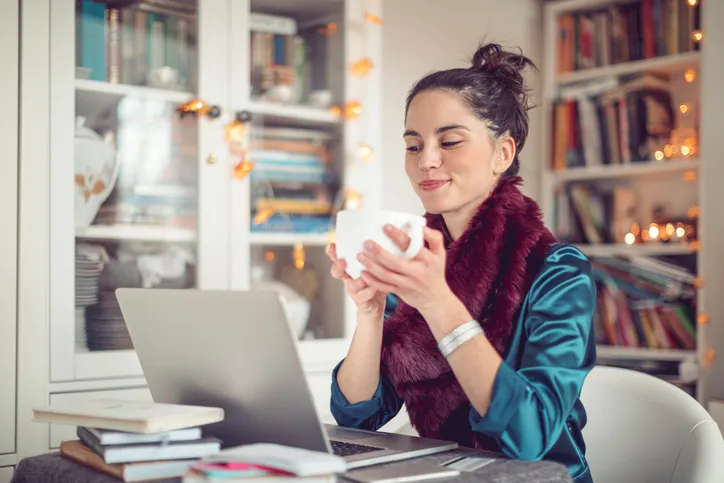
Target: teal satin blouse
[{"x": 535, "y": 411}]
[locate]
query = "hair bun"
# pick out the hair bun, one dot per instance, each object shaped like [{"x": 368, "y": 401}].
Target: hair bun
[{"x": 491, "y": 57}]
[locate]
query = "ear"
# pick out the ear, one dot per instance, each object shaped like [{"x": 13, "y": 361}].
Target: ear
[{"x": 505, "y": 153}]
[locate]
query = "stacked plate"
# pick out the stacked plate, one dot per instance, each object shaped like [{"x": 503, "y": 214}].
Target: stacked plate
[
  {"x": 105, "y": 328},
  {"x": 87, "y": 276}
]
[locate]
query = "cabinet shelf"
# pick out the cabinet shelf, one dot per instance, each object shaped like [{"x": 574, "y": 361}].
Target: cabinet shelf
[
  {"x": 120, "y": 90},
  {"x": 136, "y": 233},
  {"x": 293, "y": 113},
  {"x": 289, "y": 239},
  {"x": 664, "y": 64},
  {"x": 648, "y": 168},
  {"x": 642, "y": 353}
]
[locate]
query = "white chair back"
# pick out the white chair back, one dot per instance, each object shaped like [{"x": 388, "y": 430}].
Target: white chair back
[{"x": 645, "y": 430}]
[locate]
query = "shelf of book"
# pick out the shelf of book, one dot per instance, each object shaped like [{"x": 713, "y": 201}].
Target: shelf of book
[
  {"x": 643, "y": 353},
  {"x": 660, "y": 65},
  {"x": 639, "y": 169},
  {"x": 651, "y": 249}
]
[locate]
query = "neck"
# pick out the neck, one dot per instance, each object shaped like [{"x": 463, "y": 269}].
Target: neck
[{"x": 458, "y": 221}]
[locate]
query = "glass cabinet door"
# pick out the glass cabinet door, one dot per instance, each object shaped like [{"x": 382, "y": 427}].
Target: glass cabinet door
[
  {"x": 129, "y": 182},
  {"x": 302, "y": 111}
]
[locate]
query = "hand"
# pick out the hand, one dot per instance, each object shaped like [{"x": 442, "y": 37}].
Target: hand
[
  {"x": 420, "y": 282},
  {"x": 368, "y": 300}
]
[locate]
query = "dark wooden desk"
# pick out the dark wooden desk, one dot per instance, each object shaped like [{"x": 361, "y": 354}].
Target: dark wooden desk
[{"x": 51, "y": 468}]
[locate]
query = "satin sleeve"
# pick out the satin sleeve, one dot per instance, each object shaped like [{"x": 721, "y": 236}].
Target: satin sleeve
[
  {"x": 531, "y": 402},
  {"x": 375, "y": 412}
]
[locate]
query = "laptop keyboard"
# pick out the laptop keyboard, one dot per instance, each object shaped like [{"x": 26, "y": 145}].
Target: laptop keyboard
[{"x": 343, "y": 449}]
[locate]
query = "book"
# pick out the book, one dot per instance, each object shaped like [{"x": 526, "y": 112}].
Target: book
[
  {"x": 144, "y": 471},
  {"x": 130, "y": 416},
  {"x": 298, "y": 461},
  {"x": 132, "y": 453},
  {"x": 106, "y": 437}
]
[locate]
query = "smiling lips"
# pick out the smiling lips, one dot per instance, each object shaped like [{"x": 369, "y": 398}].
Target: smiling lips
[{"x": 433, "y": 184}]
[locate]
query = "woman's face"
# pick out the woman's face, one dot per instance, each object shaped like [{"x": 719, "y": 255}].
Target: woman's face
[{"x": 451, "y": 159}]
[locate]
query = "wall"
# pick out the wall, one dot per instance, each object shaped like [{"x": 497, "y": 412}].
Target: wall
[{"x": 424, "y": 35}]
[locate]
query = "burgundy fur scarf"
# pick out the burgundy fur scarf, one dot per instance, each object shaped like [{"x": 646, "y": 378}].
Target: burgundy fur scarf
[{"x": 490, "y": 268}]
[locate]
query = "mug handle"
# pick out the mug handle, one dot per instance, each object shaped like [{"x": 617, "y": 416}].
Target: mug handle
[{"x": 417, "y": 237}]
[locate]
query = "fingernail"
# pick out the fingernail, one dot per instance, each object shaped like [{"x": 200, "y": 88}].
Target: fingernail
[
  {"x": 369, "y": 245},
  {"x": 388, "y": 227},
  {"x": 360, "y": 257}
]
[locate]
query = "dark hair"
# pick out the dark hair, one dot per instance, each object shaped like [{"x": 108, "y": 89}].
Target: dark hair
[{"x": 493, "y": 88}]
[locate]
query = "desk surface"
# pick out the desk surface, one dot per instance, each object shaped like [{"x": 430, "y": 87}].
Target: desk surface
[{"x": 52, "y": 468}]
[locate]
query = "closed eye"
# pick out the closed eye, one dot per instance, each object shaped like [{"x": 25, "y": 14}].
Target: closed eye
[{"x": 450, "y": 144}]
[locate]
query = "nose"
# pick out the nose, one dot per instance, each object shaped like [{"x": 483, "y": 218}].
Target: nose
[{"x": 430, "y": 159}]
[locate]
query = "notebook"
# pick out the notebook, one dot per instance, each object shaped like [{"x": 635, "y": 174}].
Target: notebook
[{"x": 130, "y": 416}]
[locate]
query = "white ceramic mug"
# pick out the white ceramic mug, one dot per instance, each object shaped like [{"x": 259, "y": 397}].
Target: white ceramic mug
[{"x": 355, "y": 227}]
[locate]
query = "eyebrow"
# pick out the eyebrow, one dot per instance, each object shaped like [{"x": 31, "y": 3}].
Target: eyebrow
[{"x": 439, "y": 130}]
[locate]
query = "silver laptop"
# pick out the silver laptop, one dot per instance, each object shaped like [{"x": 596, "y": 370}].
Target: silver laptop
[{"x": 236, "y": 350}]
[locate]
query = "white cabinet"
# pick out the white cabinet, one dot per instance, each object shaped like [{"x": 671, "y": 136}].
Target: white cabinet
[
  {"x": 9, "y": 82},
  {"x": 6, "y": 474},
  {"x": 141, "y": 177}
]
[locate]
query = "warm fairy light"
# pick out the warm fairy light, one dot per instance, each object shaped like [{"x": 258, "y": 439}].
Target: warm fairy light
[
  {"x": 693, "y": 212},
  {"x": 262, "y": 216},
  {"x": 684, "y": 108},
  {"x": 352, "y": 110},
  {"x": 702, "y": 319},
  {"x": 689, "y": 176},
  {"x": 362, "y": 67},
  {"x": 635, "y": 229},
  {"x": 335, "y": 111},
  {"x": 668, "y": 150},
  {"x": 269, "y": 256},
  {"x": 365, "y": 152},
  {"x": 697, "y": 35},
  {"x": 242, "y": 169},
  {"x": 234, "y": 131},
  {"x": 699, "y": 282},
  {"x": 352, "y": 199},
  {"x": 709, "y": 357},
  {"x": 654, "y": 231},
  {"x": 680, "y": 232},
  {"x": 372, "y": 18},
  {"x": 685, "y": 150},
  {"x": 659, "y": 155},
  {"x": 298, "y": 255},
  {"x": 669, "y": 229},
  {"x": 630, "y": 238},
  {"x": 328, "y": 30},
  {"x": 690, "y": 75},
  {"x": 692, "y": 3}
]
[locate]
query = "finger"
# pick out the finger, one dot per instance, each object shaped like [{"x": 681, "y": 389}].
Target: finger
[
  {"x": 354, "y": 287},
  {"x": 332, "y": 251},
  {"x": 376, "y": 254},
  {"x": 364, "y": 295},
  {"x": 380, "y": 272},
  {"x": 339, "y": 270},
  {"x": 435, "y": 240},
  {"x": 376, "y": 283},
  {"x": 399, "y": 237}
]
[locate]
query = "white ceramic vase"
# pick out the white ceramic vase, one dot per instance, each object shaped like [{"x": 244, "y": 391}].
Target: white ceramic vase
[{"x": 96, "y": 171}]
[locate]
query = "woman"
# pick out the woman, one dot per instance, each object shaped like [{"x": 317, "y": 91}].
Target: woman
[{"x": 486, "y": 336}]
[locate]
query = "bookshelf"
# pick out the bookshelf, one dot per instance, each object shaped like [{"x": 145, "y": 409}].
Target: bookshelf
[{"x": 625, "y": 182}]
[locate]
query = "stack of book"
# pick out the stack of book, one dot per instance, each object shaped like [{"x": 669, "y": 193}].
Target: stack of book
[{"x": 135, "y": 441}]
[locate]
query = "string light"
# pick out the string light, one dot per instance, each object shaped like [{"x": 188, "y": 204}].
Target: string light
[
  {"x": 692, "y": 3},
  {"x": 243, "y": 168},
  {"x": 702, "y": 319},
  {"x": 684, "y": 108},
  {"x": 352, "y": 110},
  {"x": 689, "y": 176},
  {"x": 269, "y": 256},
  {"x": 697, "y": 36},
  {"x": 262, "y": 216},
  {"x": 328, "y": 30},
  {"x": 693, "y": 212},
  {"x": 373, "y": 19},
  {"x": 298, "y": 256},
  {"x": 690, "y": 75},
  {"x": 361, "y": 67},
  {"x": 352, "y": 199},
  {"x": 659, "y": 155},
  {"x": 365, "y": 152},
  {"x": 630, "y": 238}
]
